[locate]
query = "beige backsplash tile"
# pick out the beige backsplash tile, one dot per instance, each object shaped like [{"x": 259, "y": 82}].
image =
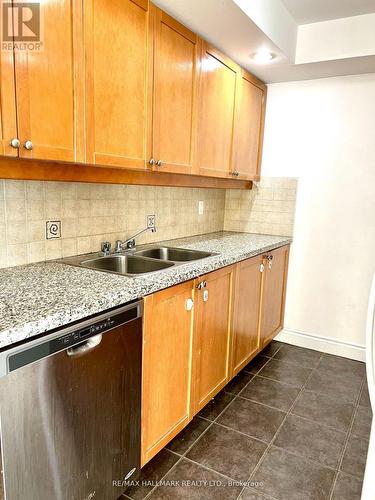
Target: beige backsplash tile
[
  {"x": 15, "y": 190},
  {"x": 269, "y": 208},
  {"x": 36, "y": 251},
  {"x": 92, "y": 213}
]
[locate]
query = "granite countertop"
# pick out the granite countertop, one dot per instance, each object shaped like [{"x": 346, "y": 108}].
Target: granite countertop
[{"x": 40, "y": 297}]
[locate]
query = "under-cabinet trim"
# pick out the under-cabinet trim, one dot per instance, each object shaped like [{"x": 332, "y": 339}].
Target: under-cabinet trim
[{"x": 28, "y": 169}]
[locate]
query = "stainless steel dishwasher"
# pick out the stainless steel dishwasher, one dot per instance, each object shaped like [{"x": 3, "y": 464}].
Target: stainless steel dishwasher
[{"x": 70, "y": 409}]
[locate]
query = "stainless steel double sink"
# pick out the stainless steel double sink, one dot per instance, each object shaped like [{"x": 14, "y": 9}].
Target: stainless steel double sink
[{"x": 141, "y": 261}]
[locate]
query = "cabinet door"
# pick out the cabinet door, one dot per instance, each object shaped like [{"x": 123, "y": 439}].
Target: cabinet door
[
  {"x": 8, "y": 124},
  {"x": 273, "y": 297},
  {"x": 48, "y": 82},
  {"x": 167, "y": 337},
  {"x": 175, "y": 80},
  {"x": 217, "y": 92},
  {"x": 212, "y": 335},
  {"x": 118, "y": 43},
  {"x": 249, "y": 125},
  {"x": 247, "y": 294}
]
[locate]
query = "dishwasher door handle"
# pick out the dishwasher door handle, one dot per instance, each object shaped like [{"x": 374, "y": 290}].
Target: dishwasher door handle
[{"x": 86, "y": 347}]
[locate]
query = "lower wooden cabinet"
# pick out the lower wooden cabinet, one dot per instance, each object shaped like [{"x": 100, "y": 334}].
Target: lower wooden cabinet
[
  {"x": 199, "y": 334},
  {"x": 213, "y": 305},
  {"x": 273, "y": 294},
  {"x": 167, "y": 341},
  {"x": 247, "y": 292}
]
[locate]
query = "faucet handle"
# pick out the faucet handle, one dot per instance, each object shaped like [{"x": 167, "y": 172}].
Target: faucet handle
[
  {"x": 106, "y": 247},
  {"x": 130, "y": 243}
]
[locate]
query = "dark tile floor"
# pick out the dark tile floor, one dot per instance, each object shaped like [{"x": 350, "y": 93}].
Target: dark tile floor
[{"x": 293, "y": 425}]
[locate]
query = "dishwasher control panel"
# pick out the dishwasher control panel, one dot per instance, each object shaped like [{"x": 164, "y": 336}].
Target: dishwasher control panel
[
  {"x": 74, "y": 337},
  {"x": 78, "y": 334}
]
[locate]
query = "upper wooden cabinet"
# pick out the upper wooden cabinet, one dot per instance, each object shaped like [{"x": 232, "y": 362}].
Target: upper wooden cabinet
[
  {"x": 8, "y": 122},
  {"x": 49, "y": 85},
  {"x": 246, "y": 311},
  {"x": 118, "y": 49},
  {"x": 213, "y": 314},
  {"x": 273, "y": 294},
  {"x": 216, "y": 107},
  {"x": 176, "y": 52},
  {"x": 167, "y": 335},
  {"x": 121, "y": 84},
  {"x": 248, "y": 128}
]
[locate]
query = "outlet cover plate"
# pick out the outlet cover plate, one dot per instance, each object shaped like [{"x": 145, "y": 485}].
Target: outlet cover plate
[
  {"x": 151, "y": 221},
  {"x": 200, "y": 207}
]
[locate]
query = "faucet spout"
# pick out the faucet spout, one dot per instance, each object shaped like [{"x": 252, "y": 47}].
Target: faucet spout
[{"x": 130, "y": 242}]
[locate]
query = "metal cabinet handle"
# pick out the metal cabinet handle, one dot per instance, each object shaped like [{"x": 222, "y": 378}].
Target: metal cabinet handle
[
  {"x": 189, "y": 303},
  {"x": 86, "y": 347},
  {"x": 28, "y": 145},
  {"x": 235, "y": 173},
  {"x": 152, "y": 162},
  {"x": 15, "y": 143},
  {"x": 158, "y": 163},
  {"x": 205, "y": 296}
]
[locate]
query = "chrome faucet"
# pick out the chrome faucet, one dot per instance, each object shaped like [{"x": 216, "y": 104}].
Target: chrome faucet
[{"x": 130, "y": 242}]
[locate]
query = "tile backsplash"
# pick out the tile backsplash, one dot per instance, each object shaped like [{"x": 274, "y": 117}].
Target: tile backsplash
[
  {"x": 268, "y": 208},
  {"x": 92, "y": 213}
]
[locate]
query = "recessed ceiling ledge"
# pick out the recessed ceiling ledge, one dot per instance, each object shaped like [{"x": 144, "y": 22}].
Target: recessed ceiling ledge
[{"x": 336, "y": 39}]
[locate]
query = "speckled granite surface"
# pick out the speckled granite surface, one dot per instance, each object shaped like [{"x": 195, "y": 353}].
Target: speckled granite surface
[{"x": 40, "y": 297}]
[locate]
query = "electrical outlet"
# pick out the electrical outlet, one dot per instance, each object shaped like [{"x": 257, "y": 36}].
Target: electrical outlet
[
  {"x": 200, "y": 207},
  {"x": 53, "y": 229},
  {"x": 151, "y": 221}
]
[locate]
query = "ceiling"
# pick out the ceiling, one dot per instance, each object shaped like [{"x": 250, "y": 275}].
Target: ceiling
[
  {"x": 312, "y": 11},
  {"x": 335, "y": 47}
]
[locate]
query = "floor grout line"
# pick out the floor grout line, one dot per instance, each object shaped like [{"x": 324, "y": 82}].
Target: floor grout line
[
  {"x": 317, "y": 423},
  {"x": 286, "y": 411},
  {"x": 256, "y": 468},
  {"x": 307, "y": 459},
  {"x": 348, "y": 434},
  {"x": 182, "y": 456},
  {"x": 240, "y": 432},
  {"x": 275, "y": 380},
  {"x": 211, "y": 470},
  {"x": 261, "y": 368},
  {"x": 296, "y": 414},
  {"x": 161, "y": 479},
  {"x": 333, "y": 486},
  {"x": 225, "y": 408},
  {"x": 237, "y": 395}
]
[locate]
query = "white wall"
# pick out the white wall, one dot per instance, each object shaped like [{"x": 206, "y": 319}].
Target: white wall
[{"x": 323, "y": 132}]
